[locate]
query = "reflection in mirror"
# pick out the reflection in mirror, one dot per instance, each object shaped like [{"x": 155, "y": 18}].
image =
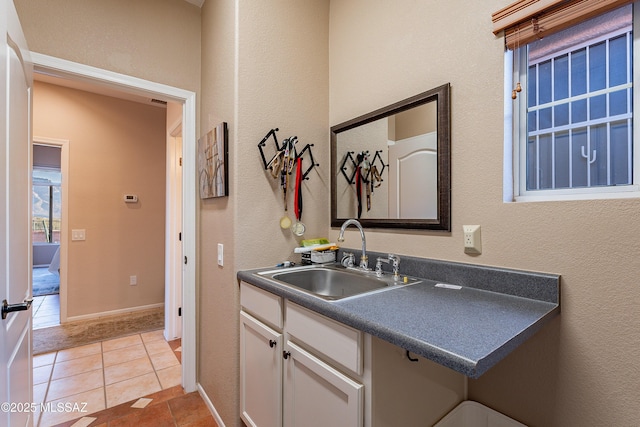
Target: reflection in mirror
[{"x": 390, "y": 168}]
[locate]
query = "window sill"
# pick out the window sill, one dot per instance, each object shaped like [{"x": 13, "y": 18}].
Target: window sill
[{"x": 629, "y": 192}]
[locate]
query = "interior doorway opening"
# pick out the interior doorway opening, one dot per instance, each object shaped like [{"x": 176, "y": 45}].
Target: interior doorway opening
[
  {"x": 108, "y": 81},
  {"x": 46, "y": 224}
]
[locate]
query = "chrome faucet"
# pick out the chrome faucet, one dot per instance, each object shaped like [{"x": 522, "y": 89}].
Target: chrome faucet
[
  {"x": 364, "y": 260},
  {"x": 392, "y": 259}
]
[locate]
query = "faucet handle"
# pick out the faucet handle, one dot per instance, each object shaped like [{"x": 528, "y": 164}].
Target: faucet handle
[
  {"x": 348, "y": 259},
  {"x": 395, "y": 260}
]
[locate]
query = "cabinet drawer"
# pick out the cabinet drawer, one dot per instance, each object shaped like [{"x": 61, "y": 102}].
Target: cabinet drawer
[
  {"x": 261, "y": 304},
  {"x": 325, "y": 336}
]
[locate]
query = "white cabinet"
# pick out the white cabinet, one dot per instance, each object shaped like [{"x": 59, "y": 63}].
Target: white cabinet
[
  {"x": 299, "y": 368},
  {"x": 317, "y": 394},
  {"x": 261, "y": 373},
  {"x": 315, "y": 356}
]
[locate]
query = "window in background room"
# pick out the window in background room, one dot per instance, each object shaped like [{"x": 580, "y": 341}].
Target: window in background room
[
  {"x": 46, "y": 205},
  {"x": 573, "y": 119}
]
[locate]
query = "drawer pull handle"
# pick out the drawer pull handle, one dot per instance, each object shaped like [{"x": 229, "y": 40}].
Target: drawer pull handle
[
  {"x": 286, "y": 354},
  {"x": 272, "y": 343}
]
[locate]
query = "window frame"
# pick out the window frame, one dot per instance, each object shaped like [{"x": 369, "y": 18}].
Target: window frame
[{"x": 516, "y": 136}]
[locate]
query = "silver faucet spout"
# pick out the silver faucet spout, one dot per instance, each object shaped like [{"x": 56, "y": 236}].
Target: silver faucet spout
[{"x": 364, "y": 260}]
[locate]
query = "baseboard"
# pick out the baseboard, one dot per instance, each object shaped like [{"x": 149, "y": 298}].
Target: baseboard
[
  {"x": 209, "y": 404},
  {"x": 114, "y": 312}
]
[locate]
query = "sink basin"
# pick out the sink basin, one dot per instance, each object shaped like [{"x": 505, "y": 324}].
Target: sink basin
[{"x": 334, "y": 283}]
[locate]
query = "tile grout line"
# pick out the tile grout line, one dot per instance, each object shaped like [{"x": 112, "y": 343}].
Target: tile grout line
[
  {"x": 153, "y": 366},
  {"x": 104, "y": 376}
]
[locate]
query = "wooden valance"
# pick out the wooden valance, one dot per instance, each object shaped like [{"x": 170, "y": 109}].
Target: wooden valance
[{"x": 527, "y": 20}]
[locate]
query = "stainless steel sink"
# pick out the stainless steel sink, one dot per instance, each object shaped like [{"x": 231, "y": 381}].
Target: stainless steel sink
[{"x": 332, "y": 282}]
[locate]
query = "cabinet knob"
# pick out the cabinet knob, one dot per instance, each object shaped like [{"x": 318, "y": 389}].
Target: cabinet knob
[
  {"x": 286, "y": 354},
  {"x": 272, "y": 343}
]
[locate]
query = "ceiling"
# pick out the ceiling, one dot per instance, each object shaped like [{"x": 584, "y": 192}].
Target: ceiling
[{"x": 89, "y": 86}]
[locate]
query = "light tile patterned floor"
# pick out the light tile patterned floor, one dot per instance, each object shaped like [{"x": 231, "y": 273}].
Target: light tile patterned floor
[
  {"x": 46, "y": 311},
  {"x": 104, "y": 374}
]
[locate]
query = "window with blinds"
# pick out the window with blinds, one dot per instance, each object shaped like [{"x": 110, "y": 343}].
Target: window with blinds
[{"x": 573, "y": 130}]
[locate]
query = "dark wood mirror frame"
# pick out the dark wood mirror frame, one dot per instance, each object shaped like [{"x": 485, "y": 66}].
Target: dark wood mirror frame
[{"x": 443, "y": 221}]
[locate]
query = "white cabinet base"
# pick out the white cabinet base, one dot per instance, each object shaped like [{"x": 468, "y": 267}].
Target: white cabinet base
[
  {"x": 261, "y": 373},
  {"x": 317, "y": 395}
]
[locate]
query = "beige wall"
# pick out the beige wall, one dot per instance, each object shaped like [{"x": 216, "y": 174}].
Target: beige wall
[
  {"x": 157, "y": 40},
  {"x": 266, "y": 66},
  {"x": 218, "y": 296},
  {"x": 116, "y": 147},
  {"x": 583, "y": 368}
]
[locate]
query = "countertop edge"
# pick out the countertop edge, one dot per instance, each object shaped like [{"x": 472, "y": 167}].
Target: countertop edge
[{"x": 470, "y": 368}]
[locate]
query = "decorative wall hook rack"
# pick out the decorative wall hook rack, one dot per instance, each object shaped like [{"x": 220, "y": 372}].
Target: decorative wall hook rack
[
  {"x": 263, "y": 143},
  {"x": 362, "y": 157},
  {"x": 312, "y": 161},
  {"x": 288, "y": 145}
]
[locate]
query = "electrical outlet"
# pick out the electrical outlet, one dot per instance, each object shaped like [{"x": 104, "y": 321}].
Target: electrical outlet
[
  {"x": 133, "y": 280},
  {"x": 472, "y": 239}
]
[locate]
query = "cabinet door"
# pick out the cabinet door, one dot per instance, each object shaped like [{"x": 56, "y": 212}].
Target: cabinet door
[
  {"x": 260, "y": 373},
  {"x": 317, "y": 395}
]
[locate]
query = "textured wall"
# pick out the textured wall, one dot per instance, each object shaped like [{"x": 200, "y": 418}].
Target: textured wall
[
  {"x": 157, "y": 40},
  {"x": 265, "y": 66},
  {"x": 582, "y": 369},
  {"x": 116, "y": 147}
]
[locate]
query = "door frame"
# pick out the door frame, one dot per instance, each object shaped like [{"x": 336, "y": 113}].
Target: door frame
[
  {"x": 71, "y": 70},
  {"x": 173, "y": 232},
  {"x": 63, "y": 144}
]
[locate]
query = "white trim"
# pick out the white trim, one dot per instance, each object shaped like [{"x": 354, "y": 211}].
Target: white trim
[
  {"x": 64, "y": 220},
  {"x": 63, "y": 68},
  {"x": 508, "y": 159},
  {"x": 114, "y": 312},
  {"x": 592, "y": 193},
  {"x": 514, "y": 163},
  {"x": 212, "y": 409},
  {"x": 173, "y": 223}
]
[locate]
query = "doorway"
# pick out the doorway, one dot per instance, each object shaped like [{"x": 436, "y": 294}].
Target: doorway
[
  {"x": 109, "y": 81},
  {"x": 49, "y": 197}
]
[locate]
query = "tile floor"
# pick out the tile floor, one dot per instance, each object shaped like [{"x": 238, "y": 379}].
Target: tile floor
[
  {"x": 171, "y": 407},
  {"x": 104, "y": 374},
  {"x": 46, "y": 311}
]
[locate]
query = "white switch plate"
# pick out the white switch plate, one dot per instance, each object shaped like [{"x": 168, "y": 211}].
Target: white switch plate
[
  {"x": 220, "y": 254},
  {"x": 133, "y": 280},
  {"x": 472, "y": 239},
  {"x": 78, "y": 234}
]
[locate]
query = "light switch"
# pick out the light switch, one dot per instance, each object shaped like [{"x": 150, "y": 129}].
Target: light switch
[
  {"x": 220, "y": 254},
  {"x": 78, "y": 234}
]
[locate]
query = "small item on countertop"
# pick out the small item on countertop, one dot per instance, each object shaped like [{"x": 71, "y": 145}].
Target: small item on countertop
[
  {"x": 319, "y": 247},
  {"x": 312, "y": 242},
  {"x": 286, "y": 264}
]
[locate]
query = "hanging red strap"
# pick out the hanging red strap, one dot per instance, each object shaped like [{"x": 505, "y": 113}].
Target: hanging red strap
[
  {"x": 298, "y": 191},
  {"x": 359, "y": 189}
]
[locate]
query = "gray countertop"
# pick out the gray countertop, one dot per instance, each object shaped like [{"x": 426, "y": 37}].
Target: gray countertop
[{"x": 468, "y": 330}]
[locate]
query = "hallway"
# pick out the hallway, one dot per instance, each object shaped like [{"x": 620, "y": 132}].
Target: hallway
[{"x": 105, "y": 374}]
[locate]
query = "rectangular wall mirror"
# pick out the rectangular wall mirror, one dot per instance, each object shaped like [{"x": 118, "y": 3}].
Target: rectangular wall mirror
[{"x": 391, "y": 168}]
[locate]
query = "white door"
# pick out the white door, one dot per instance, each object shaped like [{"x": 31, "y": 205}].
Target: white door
[
  {"x": 260, "y": 373},
  {"x": 318, "y": 395},
  {"x": 174, "y": 264},
  {"x": 413, "y": 177},
  {"x": 15, "y": 241}
]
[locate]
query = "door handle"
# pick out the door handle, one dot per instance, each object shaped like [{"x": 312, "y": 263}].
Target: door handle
[{"x": 8, "y": 308}]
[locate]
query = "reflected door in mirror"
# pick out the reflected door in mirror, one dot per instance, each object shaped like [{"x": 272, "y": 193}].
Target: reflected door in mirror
[{"x": 413, "y": 177}]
